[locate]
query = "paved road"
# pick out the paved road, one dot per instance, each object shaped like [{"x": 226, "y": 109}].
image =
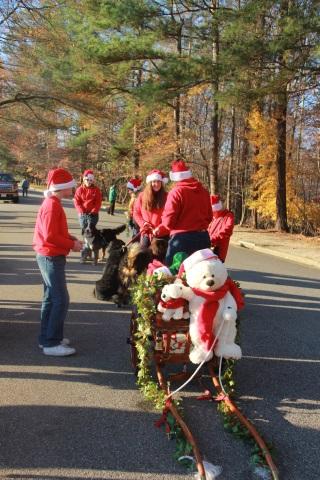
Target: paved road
[{"x": 82, "y": 416}]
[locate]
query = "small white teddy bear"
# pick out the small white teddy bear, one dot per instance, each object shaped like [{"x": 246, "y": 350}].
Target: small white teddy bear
[
  {"x": 213, "y": 308},
  {"x": 171, "y": 308}
]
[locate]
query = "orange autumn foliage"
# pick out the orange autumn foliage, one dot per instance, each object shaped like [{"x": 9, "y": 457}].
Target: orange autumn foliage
[{"x": 302, "y": 213}]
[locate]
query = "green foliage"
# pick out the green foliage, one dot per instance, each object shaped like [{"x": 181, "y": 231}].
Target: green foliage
[
  {"x": 8, "y": 161},
  {"x": 82, "y": 138},
  {"x": 145, "y": 56}
]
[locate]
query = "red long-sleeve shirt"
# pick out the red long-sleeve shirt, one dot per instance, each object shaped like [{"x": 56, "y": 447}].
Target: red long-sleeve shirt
[
  {"x": 220, "y": 231},
  {"x": 51, "y": 236},
  {"x": 142, "y": 216},
  {"x": 187, "y": 209},
  {"x": 88, "y": 199}
]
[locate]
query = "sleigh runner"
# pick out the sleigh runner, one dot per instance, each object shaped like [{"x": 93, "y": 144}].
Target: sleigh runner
[{"x": 158, "y": 342}]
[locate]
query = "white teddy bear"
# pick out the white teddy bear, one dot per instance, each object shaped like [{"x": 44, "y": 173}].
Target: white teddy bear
[
  {"x": 171, "y": 308},
  {"x": 213, "y": 308}
]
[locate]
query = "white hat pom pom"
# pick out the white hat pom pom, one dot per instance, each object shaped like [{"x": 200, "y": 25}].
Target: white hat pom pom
[{"x": 212, "y": 471}]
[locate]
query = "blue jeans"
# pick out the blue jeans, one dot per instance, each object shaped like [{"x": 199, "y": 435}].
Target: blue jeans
[
  {"x": 88, "y": 220},
  {"x": 55, "y": 301},
  {"x": 188, "y": 242},
  {"x": 133, "y": 228}
]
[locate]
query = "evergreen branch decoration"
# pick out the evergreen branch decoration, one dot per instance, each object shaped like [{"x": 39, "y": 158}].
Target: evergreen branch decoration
[{"x": 144, "y": 298}]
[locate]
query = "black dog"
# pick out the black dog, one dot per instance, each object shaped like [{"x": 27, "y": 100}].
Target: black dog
[
  {"x": 123, "y": 267},
  {"x": 108, "y": 285},
  {"x": 96, "y": 240}
]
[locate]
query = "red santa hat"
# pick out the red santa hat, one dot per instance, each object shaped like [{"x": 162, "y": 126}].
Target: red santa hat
[
  {"x": 179, "y": 171},
  {"x": 158, "y": 268},
  {"x": 195, "y": 258},
  {"x": 134, "y": 184},
  {"x": 216, "y": 203},
  {"x": 155, "y": 175},
  {"x": 59, "y": 179},
  {"x": 88, "y": 175}
]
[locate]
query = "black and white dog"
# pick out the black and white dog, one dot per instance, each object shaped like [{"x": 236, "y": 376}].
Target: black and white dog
[{"x": 96, "y": 240}]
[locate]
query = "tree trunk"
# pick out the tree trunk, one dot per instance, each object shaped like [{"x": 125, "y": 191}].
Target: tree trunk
[
  {"x": 281, "y": 126},
  {"x": 177, "y": 108},
  {"x": 231, "y": 160},
  {"x": 214, "y": 159},
  {"x": 240, "y": 209},
  {"x": 135, "y": 139}
]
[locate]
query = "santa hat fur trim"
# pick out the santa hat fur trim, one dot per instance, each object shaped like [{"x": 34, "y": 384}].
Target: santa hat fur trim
[
  {"x": 216, "y": 203},
  {"x": 162, "y": 270},
  {"x": 88, "y": 174},
  {"x": 179, "y": 171},
  {"x": 134, "y": 184},
  {"x": 197, "y": 257},
  {"x": 59, "y": 179},
  {"x": 157, "y": 175}
]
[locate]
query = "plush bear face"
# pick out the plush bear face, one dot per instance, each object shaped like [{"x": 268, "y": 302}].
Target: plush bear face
[
  {"x": 164, "y": 294},
  {"x": 208, "y": 275}
]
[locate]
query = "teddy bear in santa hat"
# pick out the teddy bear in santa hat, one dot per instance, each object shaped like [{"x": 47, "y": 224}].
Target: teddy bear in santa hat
[
  {"x": 172, "y": 307},
  {"x": 214, "y": 300}
]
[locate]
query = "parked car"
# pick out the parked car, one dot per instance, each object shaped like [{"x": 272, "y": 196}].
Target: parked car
[{"x": 8, "y": 188}]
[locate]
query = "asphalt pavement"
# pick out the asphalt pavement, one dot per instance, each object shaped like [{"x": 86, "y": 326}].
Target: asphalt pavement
[{"x": 82, "y": 417}]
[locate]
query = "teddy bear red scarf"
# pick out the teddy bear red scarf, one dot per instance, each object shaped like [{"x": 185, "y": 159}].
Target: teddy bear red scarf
[{"x": 209, "y": 308}]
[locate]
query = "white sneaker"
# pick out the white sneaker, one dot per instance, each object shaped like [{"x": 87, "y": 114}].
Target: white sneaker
[
  {"x": 59, "y": 351},
  {"x": 64, "y": 341}
]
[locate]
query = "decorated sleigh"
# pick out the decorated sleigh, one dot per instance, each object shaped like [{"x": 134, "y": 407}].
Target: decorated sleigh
[{"x": 158, "y": 344}]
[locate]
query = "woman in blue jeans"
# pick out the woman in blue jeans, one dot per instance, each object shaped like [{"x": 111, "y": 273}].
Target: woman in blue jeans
[{"x": 52, "y": 242}]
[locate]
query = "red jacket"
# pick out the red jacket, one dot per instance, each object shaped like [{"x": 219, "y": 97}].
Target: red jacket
[
  {"x": 220, "y": 231},
  {"x": 141, "y": 215},
  {"x": 88, "y": 199},
  {"x": 187, "y": 209},
  {"x": 51, "y": 236}
]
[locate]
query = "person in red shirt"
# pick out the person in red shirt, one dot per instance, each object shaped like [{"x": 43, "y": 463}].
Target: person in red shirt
[
  {"x": 221, "y": 227},
  {"x": 186, "y": 215},
  {"x": 149, "y": 205},
  {"x": 87, "y": 200},
  {"x": 52, "y": 242}
]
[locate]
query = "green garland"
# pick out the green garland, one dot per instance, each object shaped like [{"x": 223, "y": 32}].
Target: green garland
[{"x": 143, "y": 296}]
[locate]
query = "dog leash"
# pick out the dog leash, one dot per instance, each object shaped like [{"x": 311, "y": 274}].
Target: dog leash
[{"x": 133, "y": 239}]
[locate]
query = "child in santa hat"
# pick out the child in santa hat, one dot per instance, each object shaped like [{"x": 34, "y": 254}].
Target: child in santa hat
[
  {"x": 221, "y": 227},
  {"x": 87, "y": 200},
  {"x": 52, "y": 242},
  {"x": 186, "y": 215},
  {"x": 134, "y": 186},
  {"x": 149, "y": 205}
]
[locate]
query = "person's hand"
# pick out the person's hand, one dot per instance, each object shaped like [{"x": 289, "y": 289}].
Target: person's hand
[
  {"x": 77, "y": 247},
  {"x": 147, "y": 227},
  {"x": 160, "y": 231}
]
